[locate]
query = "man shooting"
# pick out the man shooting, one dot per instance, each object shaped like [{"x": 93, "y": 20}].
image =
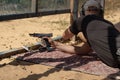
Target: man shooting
[{"x": 98, "y": 35}]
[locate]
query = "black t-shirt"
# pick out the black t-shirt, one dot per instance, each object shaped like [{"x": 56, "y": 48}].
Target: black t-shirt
[{"x": 101, "y": 36}]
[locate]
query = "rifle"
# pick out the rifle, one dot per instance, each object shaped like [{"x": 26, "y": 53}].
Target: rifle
[
  {"x": 44, "y": 44},
  {"x": 40, "y": 35}
]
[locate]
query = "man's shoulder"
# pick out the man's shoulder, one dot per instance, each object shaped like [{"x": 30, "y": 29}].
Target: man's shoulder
[
  {"x": 96, "y": 18},
  {"x": 93, "y": 17},
  {"x": 88, "y": 17}
]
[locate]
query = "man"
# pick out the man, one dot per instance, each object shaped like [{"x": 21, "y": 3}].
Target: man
[{"x": 99, "y": 35}]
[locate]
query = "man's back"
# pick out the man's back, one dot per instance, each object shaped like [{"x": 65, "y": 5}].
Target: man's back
[{"x": 103, "y": 38}]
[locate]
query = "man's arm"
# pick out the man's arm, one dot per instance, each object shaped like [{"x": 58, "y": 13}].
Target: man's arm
[{"x": 83, "y": 49}]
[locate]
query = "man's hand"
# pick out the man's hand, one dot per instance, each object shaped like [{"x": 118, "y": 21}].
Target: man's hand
[{"x": 51, "y": 41}]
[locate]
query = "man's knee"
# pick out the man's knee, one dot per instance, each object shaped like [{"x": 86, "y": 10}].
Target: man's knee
[{"x": 81, "y": 36}]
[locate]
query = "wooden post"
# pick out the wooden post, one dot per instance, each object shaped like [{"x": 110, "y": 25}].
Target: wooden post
[
  {"x": 74, "y": 10},
  {"x": 74, "y": 15},
  {"x": 103, "y": 6},
  {"x": 102, "y": 2},
  {"x": 33, "y": 6}
]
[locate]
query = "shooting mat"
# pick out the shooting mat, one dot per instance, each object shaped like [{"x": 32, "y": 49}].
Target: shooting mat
[{"x": 86, "y": 63}]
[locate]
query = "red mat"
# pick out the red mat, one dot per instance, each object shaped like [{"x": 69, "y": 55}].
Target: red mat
[{"x": 88, "y": 64}]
